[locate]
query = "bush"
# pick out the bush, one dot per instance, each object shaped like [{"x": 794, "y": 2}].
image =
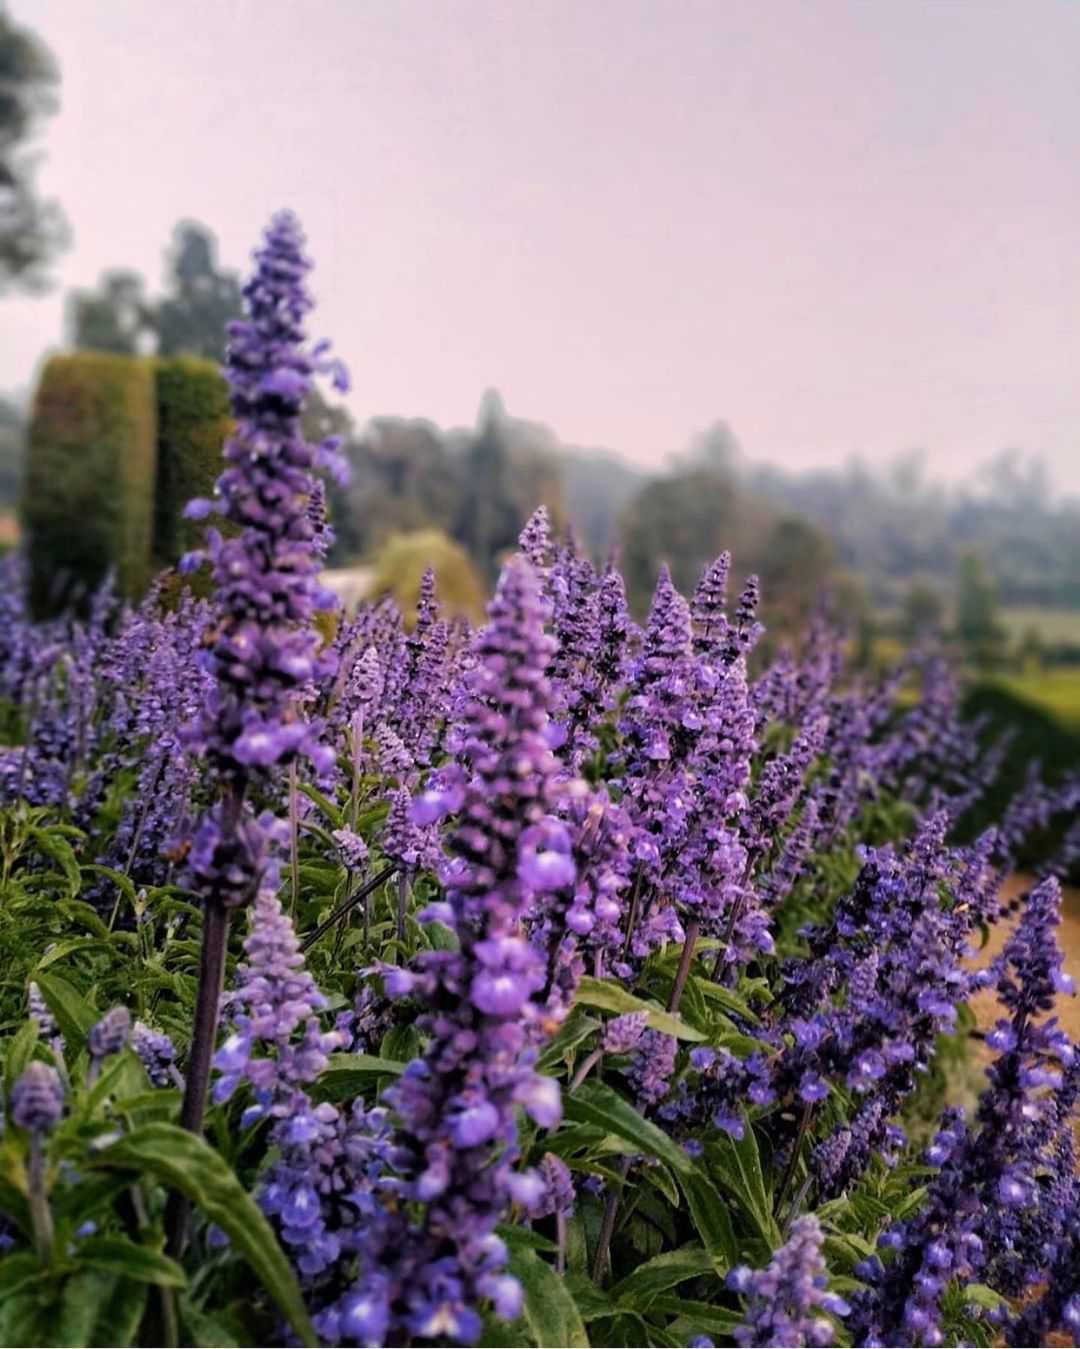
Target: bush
[
  {"x": 403, "y": 561},
  {"x": 192, "y": 424},
  {"x": 88, "y": 499}
]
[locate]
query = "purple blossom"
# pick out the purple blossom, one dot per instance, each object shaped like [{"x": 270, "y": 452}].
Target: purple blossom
[
  {"x": 37, "y": 1099},
  {"x": 786, "y": 1301}
]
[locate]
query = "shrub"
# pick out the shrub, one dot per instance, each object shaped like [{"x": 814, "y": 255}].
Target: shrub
[
  {"x": 192, "y": 423},
  {"x": 403, "y": 561},
  {"x": 89, "y": 487}
]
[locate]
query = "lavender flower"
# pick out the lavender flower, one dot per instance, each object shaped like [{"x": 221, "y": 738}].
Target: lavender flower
[
  {"x": 110, "y": 1034},
  {"x": 37, "y": 1099},
  {"x": 785, "y": 1301}
]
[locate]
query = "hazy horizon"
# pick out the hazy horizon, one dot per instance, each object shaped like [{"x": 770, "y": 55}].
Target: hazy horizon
[{"x": 844, "y": 229}]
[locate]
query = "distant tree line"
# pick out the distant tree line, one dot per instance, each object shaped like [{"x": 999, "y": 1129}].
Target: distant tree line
[{"x": 898, "y": 528}]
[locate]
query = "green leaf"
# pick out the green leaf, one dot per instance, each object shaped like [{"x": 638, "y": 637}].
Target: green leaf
[
  {"x": 117, "y": 1255},
  {"x": 983, "y": 1296},
  {"x": 73, "y": 946},
  {"x": 595, "y": 1103},
  {"x": 333, "y": 813},
  {"x": 550, "y": 1312},
  {"x": 56, "y": 847},
  {"x": 348, "y": 1075},
  {"x": 525, "y": 1236},
  {"x": 577, "y": 1027},
  {"x": 19, "y": 1271},
  {"x": 665, "y": 1271},
  {"x": 86, "y": 916},
  {"x": 697, "y": 1318},
  {"x": 190, "y": 1165},
  {"x": 735, "y": 1165},
  {"x": 119, "y": 1319},
  {"x": 73, "y": 1013},
  {"x": 723, "y": 997},
  {"x": 20, "y": 1051},
  {"x": 709, "y": 1211},
  {"x": 207, "y": 1330},
  {"x": 610, "y": 997}
]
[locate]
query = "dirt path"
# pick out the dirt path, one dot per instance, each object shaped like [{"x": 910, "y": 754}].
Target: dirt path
[{"x": 985, "y": 1005}]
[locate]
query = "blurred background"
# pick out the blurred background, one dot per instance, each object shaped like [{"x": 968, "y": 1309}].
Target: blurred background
[{"x": 795, "y": 280}]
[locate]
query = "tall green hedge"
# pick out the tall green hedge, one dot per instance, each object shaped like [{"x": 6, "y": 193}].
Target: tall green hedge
[
  {"x": 192, "y": 423},
  {"x": 88, "y": 501}
]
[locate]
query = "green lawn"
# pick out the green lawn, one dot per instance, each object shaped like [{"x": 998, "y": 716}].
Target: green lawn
[
  {"x": 1053, "y": 625},
  {"x": 1057, "y": 691}
]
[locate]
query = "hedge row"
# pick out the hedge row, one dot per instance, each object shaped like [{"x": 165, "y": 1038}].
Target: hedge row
[
  {"x": 192, "y": 423},
  {"x": 90, "y": 477},
  {"x": 117, "y": 446}
]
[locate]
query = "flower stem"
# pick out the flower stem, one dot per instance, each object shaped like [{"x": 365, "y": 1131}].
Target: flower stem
[
  {"x": 294, "y": 840},
  {"x": 586, "y": 1068},
  {"x": 693, "y": 928},
  {"x": 607, "y": 1224},
  {"x": 357, "y": 897},
  {"x": 40, "y": 1214},
  {"x": 215, "y": 944}
]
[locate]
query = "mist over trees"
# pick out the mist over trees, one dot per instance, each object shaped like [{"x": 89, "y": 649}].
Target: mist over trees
[{"x": 899, "y": 526}]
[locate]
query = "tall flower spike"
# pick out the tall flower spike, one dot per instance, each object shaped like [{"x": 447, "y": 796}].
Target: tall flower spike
[
  {"x": 785, "y": 1301},
  {"x": 263, "y": 653},
  {"x": 440, "y": 1257}
]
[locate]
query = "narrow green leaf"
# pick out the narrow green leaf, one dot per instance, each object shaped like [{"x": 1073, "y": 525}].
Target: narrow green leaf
[
  {"x": 697, "y": 1318},
  {"x": 525, "y": 1236},
  {"x": 983, "y": 1296},
  {"x": 56, "y": 847},
  {"x": 71, "y": 947},
  {"x": 550, "y": 1312},
  {"x": 20, "y": 1051},
  {"x": 610, "y": 997},
  {"x": 709, "y": 1210},
  {"x": 595, "y": 1103},
  {"x": 207, "y": 1330},
  {"x": 117, "y": 1255},
  {"x": 333, "y": 813},
  {"x": 119, "y": 1319},
  {"x": 656, "y": 1276},
  {"x": 190, "y": 1165},
  {"x": 73, "y": 1013},
  {"x": 723, "y": 997},
  {"x": 19, "y": 1271},
  {"x": 735, "y": 1165},
  {"x": 348, "y": 1075},
  {"x": 577, "y": 1027}
]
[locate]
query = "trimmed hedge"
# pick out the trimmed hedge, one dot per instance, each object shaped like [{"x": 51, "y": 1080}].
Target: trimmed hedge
[
  {"x": 192, "y": 424},
  {"x": 88, "y": 499}
]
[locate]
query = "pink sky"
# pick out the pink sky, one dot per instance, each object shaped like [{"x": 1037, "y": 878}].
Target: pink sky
[{"x": 845, "y": 226}]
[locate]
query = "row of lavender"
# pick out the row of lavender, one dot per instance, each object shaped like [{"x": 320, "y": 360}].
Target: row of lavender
[{"x": 621, "y": 972}]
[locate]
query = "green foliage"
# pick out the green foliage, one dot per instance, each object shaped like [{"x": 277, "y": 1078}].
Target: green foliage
[
  {"x": 192, "y": 423},
  {"x": 405, "y": 557},
  {"x": 32, "y": 231},
  {"x": 89, "y": 486}
]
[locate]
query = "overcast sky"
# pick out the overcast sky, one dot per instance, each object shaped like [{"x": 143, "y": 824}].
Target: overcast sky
[{"x": 844, "y": 226}]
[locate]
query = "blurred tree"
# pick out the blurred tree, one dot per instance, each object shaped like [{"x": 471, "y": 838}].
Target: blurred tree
[
  {"x": 12, "y": 440},
  {"x": 977, "y": 625},
  {"x": 489, "y": 515},
  {"x": 201, "y": 300},
  {"x": 923, "y": 613},
  {"x": 116, "y": 317},
  {"x": 32, "y": 231},
  {"x": 403, "y": 560},
  {"x": 794, "y": 568}
]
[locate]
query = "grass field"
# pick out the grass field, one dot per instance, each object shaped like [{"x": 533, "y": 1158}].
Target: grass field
[
  {"x": 1054, "y": 626},
  {"x": 1056, "y": 691}
]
